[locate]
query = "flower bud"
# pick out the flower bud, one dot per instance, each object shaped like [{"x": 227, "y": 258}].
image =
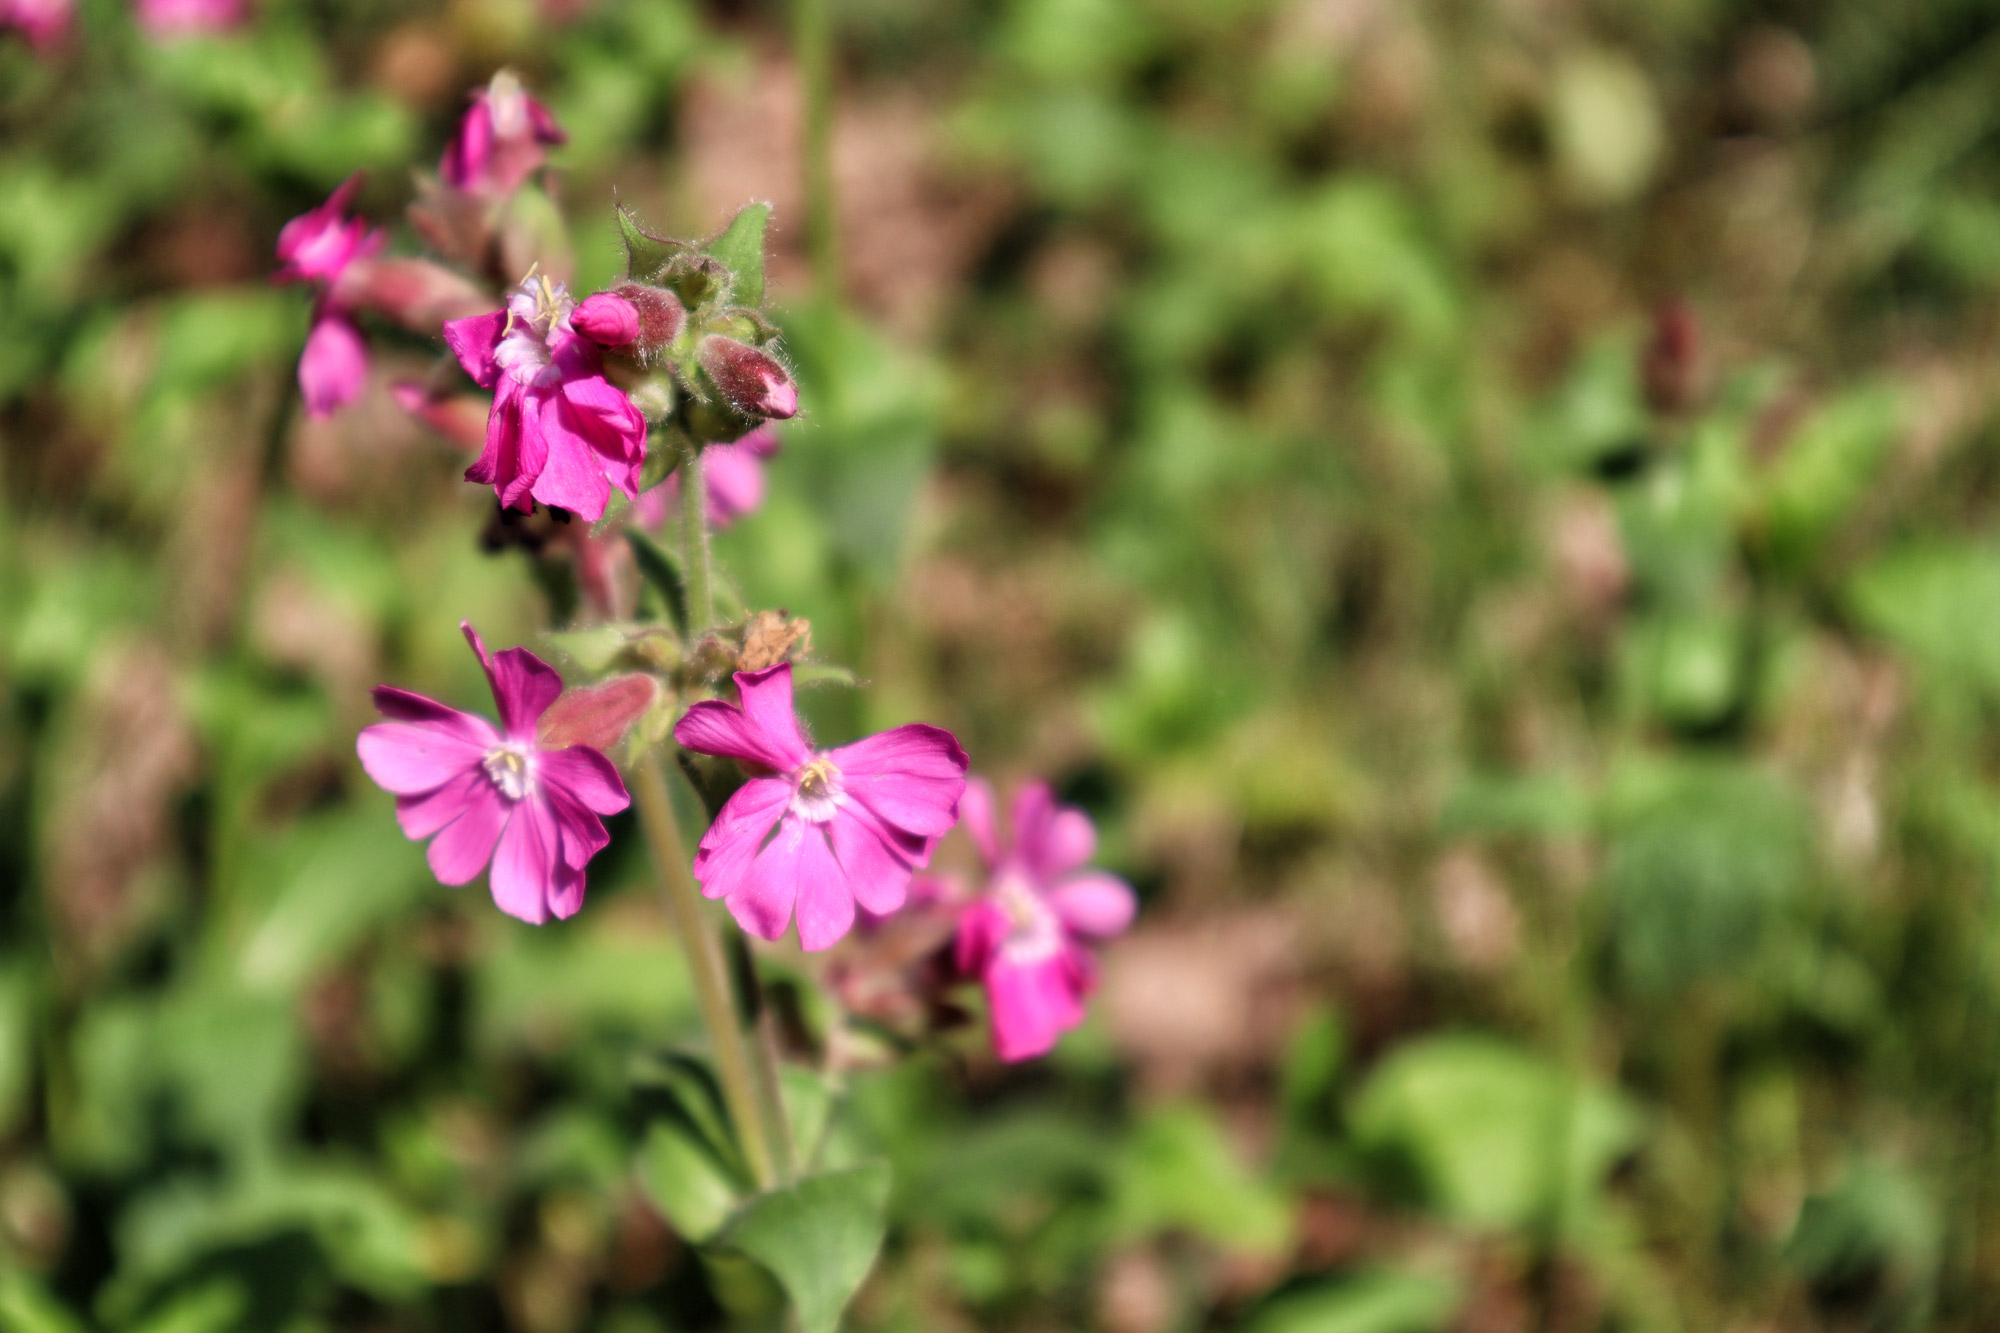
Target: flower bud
[
  {"x": 753, "y": 381},
  {"x": 661, "y": 314},
  {"x": 607, "y": 319},
  {"x": 416, "y": 293}
]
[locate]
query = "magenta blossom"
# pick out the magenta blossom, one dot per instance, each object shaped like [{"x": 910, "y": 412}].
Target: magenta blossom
[
  {"x": 558, "y": 431},
  {"x": 1024, "y": 937},
  {"x": 733, "y": 473},
  {"x": 42, "y": 22},
  {"x": 176, "y": 18},
  {"x": 500, "y": 140},
  {"x": 819, "y": 830},
  {"x": 318, "y": 247},
  {"x": 492, "y": 794}
]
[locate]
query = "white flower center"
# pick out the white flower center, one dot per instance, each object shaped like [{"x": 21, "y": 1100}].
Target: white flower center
[
  {"x": 509, "y": 770},
  {"x": 1036, "y": 931},
  {"x": 816, "y": 791},
  {"x": 536, "y": 310}
]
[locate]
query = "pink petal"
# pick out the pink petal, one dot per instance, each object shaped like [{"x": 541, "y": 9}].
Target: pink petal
[
  {"x": 735, "y": 481},
  {"x": 587, "y": 777},
  {"x": 411, "y": 758},
  {"x": 825, "y": 902},
  {"x": 1094, "y": 904},
  {"x": 526, "y": 863},
  {"x": 462, "y": 848},
  {"x": 598, "y": 415},
  {"x": 583, "y": 833},
  {"x": 912, "y": 776},
  {"x": 1031, "y": 1004},
  {"x": 763, "y": 730},
  {"x": 738, "y": 834},
  {"x": 762, "y": 901},
  {"x": 1051, "y": 838},
  {"x": 566, "y": 895},
  {"x": 403, "y": 706},
  {"x": 981, "y": 927},
  {"x": 570, "y": 477},
  {"x": 877, "y": 877},
  {"x": 975, "y": 814},
  {"x": 422, "y": 815},
  {"x": 333, "y": 365},
  {"x": 473, "y": 341},
  {"x": 523, "y": 684}
]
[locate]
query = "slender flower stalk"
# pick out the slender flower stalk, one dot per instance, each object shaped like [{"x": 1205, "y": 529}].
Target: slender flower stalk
[
  {"x": 694, "y": 537},
  {"x": 711, "y": 982}
]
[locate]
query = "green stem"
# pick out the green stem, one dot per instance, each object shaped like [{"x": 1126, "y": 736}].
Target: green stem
[
  {"x": 812, "y": 35},
  {"x": 694, "y": 536},
  {"x": 711, "y": 985}
]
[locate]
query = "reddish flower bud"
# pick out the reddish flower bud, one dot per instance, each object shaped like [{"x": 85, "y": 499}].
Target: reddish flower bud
[
  {"x": 416, "y": 293},
  {"x": 597, "y": 715},
  {"x": 1670, "y": 368},
  {"x": 661, "y": 314},
  {"x": 753, "y": 381},
  {"x": 459, "y": 417},
  {"x": 607, "y": 319}
]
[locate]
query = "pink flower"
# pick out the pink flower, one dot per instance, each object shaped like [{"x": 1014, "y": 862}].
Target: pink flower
[
  {"x": 733, "y": 473},
  {"x": 558, "y": 431},
  {"x": 819, "y": 830},
  {"x": 318, "y": 247},
  {"x": 42, "y": 22},
  {"x": 175, "y": 18},
  {"x": 496, "y": 795},
  {"x": 500, "y": 139},
  {"x": 1024, "y": 937}
]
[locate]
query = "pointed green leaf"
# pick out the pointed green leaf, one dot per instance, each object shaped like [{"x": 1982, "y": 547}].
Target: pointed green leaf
[
  {"x": 692, "y": 1189},
  {"x": 740, "y": 245},
  {"x": 662, "y": 573},
  {"x": 645, "y": 253},
  {"x": 818, "y": 1238}
]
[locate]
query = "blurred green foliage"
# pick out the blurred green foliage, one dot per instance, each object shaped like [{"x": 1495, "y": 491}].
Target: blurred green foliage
[{"x": 1559, "y": 761}]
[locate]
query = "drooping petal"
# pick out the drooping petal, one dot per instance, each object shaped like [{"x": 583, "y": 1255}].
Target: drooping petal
[
  {"x": 474, "y": 341},
  {"x": 333, "y": 366},
  {"x": 587, "y": 776},
  {"x": 566, "y": 895},
  {"x": 570, "y": 477},
  {"x": 463, "y": 847},
  {"x": 424, "y": 814},
  {"x": 878, "y": 876},
  {"x": 1094, "y": 904},
  {"x": 1032, "y": 1003},
  {"x": 825, "y": 902},
  {"x": 523, "y": 684},
  {"x": 411, "y": 758},
  {"x": 597, "y": 415},
  {"x": 912, "y": 776},
  {"x": 526, "y": 863},
  {"x": 762, "y": 901},
  {"x": 976, "y": 812},
  {"x": 738, "y": 834}
]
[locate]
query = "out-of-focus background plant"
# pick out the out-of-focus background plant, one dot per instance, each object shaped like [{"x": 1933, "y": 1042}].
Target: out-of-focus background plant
[{"x": 1490, "y": 506}]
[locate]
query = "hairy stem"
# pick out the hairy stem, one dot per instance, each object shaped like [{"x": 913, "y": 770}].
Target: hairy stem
[
  {"x": 694, "y": 536},
  {"x": 711, "y": 983}
]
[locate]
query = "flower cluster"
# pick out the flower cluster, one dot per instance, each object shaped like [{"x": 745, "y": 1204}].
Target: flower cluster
[
  {"x": 46, "y": 22},
  {"x": 667, "y": 381}
]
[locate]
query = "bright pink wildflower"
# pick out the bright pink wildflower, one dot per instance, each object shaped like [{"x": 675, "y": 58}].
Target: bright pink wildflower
[
  {"x": 818, "y": 830},
  {"x": 42, "y": 22},
  {"x": 559, "y": 431},
  {"x": 1024, "y": 938},
  {"x": 496, "y": 794},
  {"x": 176, "y": 18},
  {"x": 317, "y": 247},
  {"x": 733, "y": 473},
  {"x": 500, "y": 140}
]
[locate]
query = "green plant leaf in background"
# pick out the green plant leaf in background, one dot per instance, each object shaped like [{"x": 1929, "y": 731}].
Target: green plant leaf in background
[
  {"x": 818, "y": 1238},
  {"x": 1379, "y": 1301}
]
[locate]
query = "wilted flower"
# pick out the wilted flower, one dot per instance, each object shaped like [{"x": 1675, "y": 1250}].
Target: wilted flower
[
  {"x": 42, "y": 22},
  {"x": 317, "y": 247},
  {"x": 733, "y": 473},
  {"x": 559, "y": 431},
  {"x": 1024, "y": 937},
  {"x": 175, "y": 18},
  {"x": 496, "y": 795},
  {"x": 819, "y": 830},
  {"x": 500, "y": 140}
]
